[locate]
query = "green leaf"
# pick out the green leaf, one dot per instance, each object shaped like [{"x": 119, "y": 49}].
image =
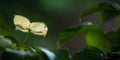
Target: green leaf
[
  {"x": 114, "y": 37},
  {"x": 96, "y": 8},
  {"x": 77, "y": 30},
  {"x": 116, "y": 49},
  {"x": 5, "y": 42},
  {"x": 61, "y": 54},
  {"x": 108, "y": 10},
  {"x": 108, "y": 14},
  {"x": 115, "y": 54},
  {"x": 12, "y": 54},
  {"x": 12, "y": 39},
  {"x": 99, "y": 40},
  {"x": 89, "y": 53},
  {"x": 55, "y": 54}
]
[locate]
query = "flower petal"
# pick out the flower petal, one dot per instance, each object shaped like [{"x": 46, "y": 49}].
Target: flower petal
[
  {"x": 23, "y": 30},
  {"x": 38, "y": 28},
  {"x": 21, "y": 23}
]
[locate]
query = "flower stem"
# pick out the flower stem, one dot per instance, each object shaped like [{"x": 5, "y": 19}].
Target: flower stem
[{"x": 26, "y": 37}]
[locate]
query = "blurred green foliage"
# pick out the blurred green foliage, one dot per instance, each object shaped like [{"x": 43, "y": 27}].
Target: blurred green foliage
[
  {"x": 48, "y": 11},
  {"x": 90, "y": 52},
  {"x": 101, "y": 45},
  {"x": 95, "y": 36}
]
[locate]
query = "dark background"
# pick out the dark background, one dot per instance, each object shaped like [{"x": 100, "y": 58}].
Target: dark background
[{"x": 57, "y": 14}]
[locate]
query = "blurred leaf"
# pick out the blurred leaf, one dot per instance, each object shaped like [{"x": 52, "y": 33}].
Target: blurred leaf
[
  {"x": 116, "y": 49},
  {"x": 4, "y": 30},
  {"x": 99, "y": 40},
  {"x": 96, "y": 8},
  {"x": 114, "y": 37},
  {"x": 61, "y": 54},
  {"x": 55, "y": 54},
  {"x": 77, "y": 30},
  {"x": 11, "y": 54},
  {"x": 108, "y": 10},
  {"x": 39, "y": 54},
  {"x": 12, "y": 39},
  {"x": 108, "y": 14},
  {"x": 115, "y": 54},
  {"x": 89, "y": 53},
  {"x": 5, "y": 42}
]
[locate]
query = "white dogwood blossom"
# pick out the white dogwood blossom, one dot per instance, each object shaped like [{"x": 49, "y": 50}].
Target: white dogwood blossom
[{"x": 23, "y": 24}]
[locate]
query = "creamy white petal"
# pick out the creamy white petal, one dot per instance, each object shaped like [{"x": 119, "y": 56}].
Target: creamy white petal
[
  {"x": 37, "y": 33},
  {"x": 38, "y": 28},
  {"x": 23, "y": 30},
  {"x": 21, "y": 23}
]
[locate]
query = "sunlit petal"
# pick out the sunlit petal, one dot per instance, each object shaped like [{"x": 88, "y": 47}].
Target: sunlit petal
[
  {"x": 21, "y": 23},
  {"x": 24, "y": 30},
  {"x": 38, "y": 28}
]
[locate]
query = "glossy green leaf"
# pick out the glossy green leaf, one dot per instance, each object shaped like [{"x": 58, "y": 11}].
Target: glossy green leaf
[
  {"x": 11, "y": 54},
  {"x": 61, "y": 54},
  {"x": 89, "y": 53},
  {"x": 99, "y": 40},
  {"x": 55, "y": 54},
  {"x": 108, "y": 10},
  {"x": 77, "y": 30}
]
